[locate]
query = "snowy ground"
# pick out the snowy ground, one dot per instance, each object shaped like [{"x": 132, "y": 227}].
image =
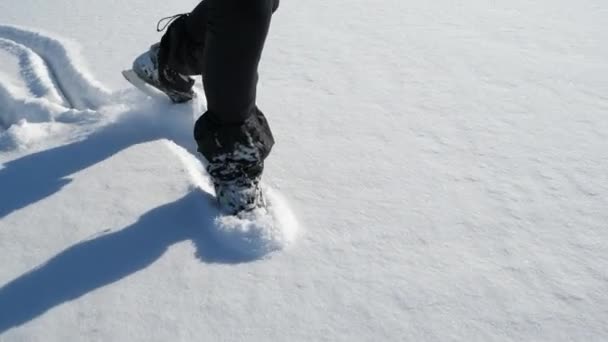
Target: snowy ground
[{"x": 447, "y": 164}]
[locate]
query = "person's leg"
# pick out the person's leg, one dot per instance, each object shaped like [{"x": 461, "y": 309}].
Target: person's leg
[
  {"x": 233, "y": 135},
  {"x": 236, "y": 32},
  {"x": 223, "y": 41},
  {"x": 180, "y": 53}
]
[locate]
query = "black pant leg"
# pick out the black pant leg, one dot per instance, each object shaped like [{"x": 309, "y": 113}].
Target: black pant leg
[
  {"x": 233, "y": 134},
  {"x": 196, "y": 23},
  {"x": 183, "y": 45},
  {"x": 223, "y": 41},
  {"x": 235, "y": 37}
]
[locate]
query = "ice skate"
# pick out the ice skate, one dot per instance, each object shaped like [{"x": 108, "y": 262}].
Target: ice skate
[{"x": 148, "y": 69}]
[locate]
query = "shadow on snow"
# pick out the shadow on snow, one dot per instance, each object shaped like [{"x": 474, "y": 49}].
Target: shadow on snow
[
  {"x": 92, "y": 264},
  {"x": 95, "y": 263},
  {"x": 39, "y": 175}
]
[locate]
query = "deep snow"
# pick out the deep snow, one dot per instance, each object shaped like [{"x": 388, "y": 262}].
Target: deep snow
[{"x": 446, "y": 163}]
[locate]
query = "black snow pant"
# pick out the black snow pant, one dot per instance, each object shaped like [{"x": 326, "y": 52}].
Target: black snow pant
[{"x": 222, "y": 40}]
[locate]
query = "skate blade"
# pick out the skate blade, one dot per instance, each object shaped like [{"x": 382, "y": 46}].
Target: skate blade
[{"x": 144, "y": 87}]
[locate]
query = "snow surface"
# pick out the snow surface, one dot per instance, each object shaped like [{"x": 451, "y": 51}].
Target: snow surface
[{"x": 446, "y": 162}]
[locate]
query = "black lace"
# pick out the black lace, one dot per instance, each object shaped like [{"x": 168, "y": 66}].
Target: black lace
[{"x": 166, "y": 21}]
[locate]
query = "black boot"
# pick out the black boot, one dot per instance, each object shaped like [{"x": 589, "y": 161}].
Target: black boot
[{"x": 235, "y": 153}]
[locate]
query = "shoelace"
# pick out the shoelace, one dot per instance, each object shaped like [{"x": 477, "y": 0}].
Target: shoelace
[{"x": 166, "y": 21}]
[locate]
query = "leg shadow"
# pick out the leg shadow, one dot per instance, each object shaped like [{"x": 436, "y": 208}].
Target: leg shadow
[
  {"x": 92, "y": 264},
  {"x": 36, "y": 176}
]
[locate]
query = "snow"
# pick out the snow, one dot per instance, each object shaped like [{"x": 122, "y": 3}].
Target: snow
[{"x": 439, "y": 175}]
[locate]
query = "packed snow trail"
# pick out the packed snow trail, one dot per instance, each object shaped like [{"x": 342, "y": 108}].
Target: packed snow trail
[
  {"x": 55, "y": 88},
  {"x": 34, "y": 72},
  {"x": 78, "y": 87}
]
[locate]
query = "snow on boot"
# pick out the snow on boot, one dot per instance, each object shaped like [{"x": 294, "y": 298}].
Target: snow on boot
[
  {"x": 175, "y": 85},
  {"x": 239, "y": 195}
]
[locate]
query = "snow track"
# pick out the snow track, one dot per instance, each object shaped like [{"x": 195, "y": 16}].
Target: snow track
[
  {"x": 14, "y": 109},
  {"x": 254, "y": 235},
  {"x": 64, "y": 65},
  {"x": 56, "y": 87},
  {"x": 34, "y": 71}
]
